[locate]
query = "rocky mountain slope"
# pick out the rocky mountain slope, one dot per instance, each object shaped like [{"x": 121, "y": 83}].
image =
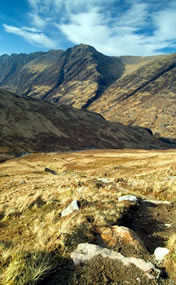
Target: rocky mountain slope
[
  {"x": 70, "y": 77},
  {"x": 145, "y": 96},
  {"x": 30, "y": 125},
  {"x": 130, "y": 89}
]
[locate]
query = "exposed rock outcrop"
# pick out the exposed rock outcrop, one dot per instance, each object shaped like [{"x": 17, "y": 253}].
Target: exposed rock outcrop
[{"x": 86, "y": 252}]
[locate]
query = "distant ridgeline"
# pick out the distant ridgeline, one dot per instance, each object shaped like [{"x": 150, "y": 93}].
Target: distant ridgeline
[{"x": 129, "y": 89}]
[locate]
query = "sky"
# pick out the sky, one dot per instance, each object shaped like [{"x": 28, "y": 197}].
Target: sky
[{"x": 113, "y": 27}]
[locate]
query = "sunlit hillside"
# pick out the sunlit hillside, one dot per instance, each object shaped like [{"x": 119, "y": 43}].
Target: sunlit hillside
[{"x": 38, "y": 242}]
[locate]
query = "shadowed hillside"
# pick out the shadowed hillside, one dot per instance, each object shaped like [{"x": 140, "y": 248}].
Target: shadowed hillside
[
  {"x": 30, "y": 125},
  {"x": 145, "y": 96}
]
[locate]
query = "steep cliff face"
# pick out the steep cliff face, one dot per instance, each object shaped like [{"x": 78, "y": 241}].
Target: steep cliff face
[
  {"x": 72, "y": 77},
  {"x": 30, "y": 125}
]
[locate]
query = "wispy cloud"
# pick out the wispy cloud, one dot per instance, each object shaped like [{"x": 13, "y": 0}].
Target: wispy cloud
[
  {"x": 114, "y": 27},
  {"x": 32, "y": 35}
]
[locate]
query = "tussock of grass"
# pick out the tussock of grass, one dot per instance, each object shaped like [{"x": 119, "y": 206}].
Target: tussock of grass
[
  {"x": 28, "y": 267},
  {"x": 82, "y": 233},
  {"x": 170, "y": 261}
]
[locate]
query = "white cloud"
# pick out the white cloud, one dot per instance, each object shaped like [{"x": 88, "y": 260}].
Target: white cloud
[
  {"x": 37, "y": 20},
  {"x": 114, "y": 27},
  {"x": 165, "y": 22},
  {"x": 135, "y": 16},
  {"x": 137, "y": 30},
  {"x": 86, "y": 27},
  {"x": 30, "y": 35},
  {"x": 34, "y": 30},
  {"x": 111, "y": 36}
]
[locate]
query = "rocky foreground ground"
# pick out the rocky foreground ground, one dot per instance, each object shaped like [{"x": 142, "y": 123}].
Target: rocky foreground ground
[{"x": 90, "y": 217}]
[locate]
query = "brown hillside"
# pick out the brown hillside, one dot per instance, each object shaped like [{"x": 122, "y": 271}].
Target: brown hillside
[
  {"x": 145, "y": 96},
  {"x": 130, "y": 89},
  {"x": 30, "y": 125},
  {"x": 71, "y": 77}
]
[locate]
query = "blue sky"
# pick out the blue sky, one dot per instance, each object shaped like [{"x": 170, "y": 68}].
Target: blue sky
[{"x": 113, "y": 27}]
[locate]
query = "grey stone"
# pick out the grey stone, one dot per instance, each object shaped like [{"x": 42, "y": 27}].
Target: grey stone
[
  {"x": 73, "y": 206},
  {"x": 160, "y": 253},
  {"x": 105, "y": 180},
  {"x": 86, "y": 252},
  {"x": 130, "y": 198},
  {"x": 157, "y": 202},
  {"x": 50, "y": 171}
]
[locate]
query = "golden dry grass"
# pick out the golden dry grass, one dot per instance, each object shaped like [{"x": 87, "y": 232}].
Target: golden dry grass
[
  {"x": 170, "y": 261},
  {"x": 31, "y": 199}
]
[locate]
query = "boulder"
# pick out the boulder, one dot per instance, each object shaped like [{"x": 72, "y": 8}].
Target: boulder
[
  {"x": 73, "y": 206},
  {"x": 160, "y": 253},
  {"x": 50, "y": 171},
  {"x": 115, "y": 234},
  {"x": 86, "y": 252},
  {"x": 105, "y": 180},
  {"x": 130, "y": 198}
]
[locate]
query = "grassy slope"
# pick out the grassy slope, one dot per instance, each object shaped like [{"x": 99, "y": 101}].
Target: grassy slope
[
  {"x": 29, "y": 125},
  {"x": 33, "y": 233},
  {"x": 144, "y": 95}
]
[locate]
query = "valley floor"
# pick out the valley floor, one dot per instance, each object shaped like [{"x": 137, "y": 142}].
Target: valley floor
[{"x": 37, "y": 241}]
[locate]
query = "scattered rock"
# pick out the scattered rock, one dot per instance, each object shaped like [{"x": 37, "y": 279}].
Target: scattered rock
[
  {"x": 50, "y": 171},
  {"x": 86, "y": 252},
  {"x": 160, "y": 253},
  {"x": 130, "y": 198},
  {"x": 157, "y": 202},
  {"x": 105, "y": 180},
  {"x": 170, "y": 178},
  {"x": 168, "y": 225},
  {"x": 73, "y": 206},
  {"x": 115, "y": 234}
]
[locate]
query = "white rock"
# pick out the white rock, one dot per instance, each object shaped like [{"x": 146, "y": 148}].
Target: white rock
[
  {"x": 130, "y": 198},
  {"x": 73, "y": 206},
  {"x": 168, "y": 225},
  {"x": 157, "y": 202},
  {"x": 160, "y": 253},
  {"x": 105, "y": 180},
  {"x": 86, "y": 251}
]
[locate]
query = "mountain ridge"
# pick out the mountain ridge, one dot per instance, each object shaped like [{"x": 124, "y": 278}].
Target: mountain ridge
[
  {"x": 130, "y": 89},
  {"x": 45, "y": 73}
]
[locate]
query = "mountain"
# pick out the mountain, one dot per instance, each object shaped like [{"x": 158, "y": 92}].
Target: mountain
[
  {"x": 30, "y": 125},
  {"x": 70, "y": 77},
  {"x": 130, "y": 89},
  {"x": 145, "y": 96}
]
